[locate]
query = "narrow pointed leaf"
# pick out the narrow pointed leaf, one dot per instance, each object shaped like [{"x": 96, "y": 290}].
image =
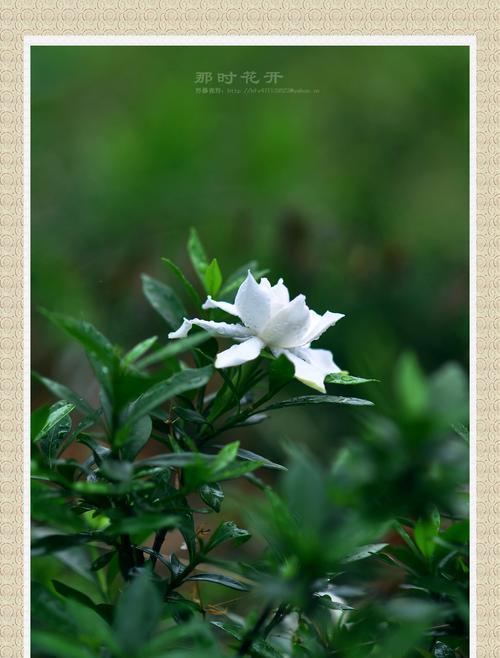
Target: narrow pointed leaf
[
  {"x": 64, "y": 393},
  {"x": 364, "y": 552},
  {"x": 54, "y": 416},
  {"x": 219, "y": 579},
  {"x": 346, "y": 379},
  {"x": 137, "y": 438},
  {"x": 212, "y": 495},
  {"x": 212, "y": 278},
  {"x": 226, "y": 456},
  {"x": 175, "y": 347},
  {"x": 137, "y": 351},
  {"x": 197, "y": 254},
  {"x": 180, "y": 382},
  {"x": 137, "y": 613},
  {"x": 164, "y": 301},
  {"x": 191, "y": 291},
  {"x": 225, "y": 532},
  {"x": 95, "y": 343},
  {"x": 317, "y": 399}
]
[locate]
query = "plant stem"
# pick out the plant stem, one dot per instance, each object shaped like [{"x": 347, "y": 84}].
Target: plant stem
[
  {"x": 126, "y": 556},
  {"x": 253, "y": 633},
  {"x": 157, "y": 544},
  {"x": 278, "y": 617}
]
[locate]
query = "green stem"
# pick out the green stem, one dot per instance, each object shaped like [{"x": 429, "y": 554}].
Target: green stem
[
  {"x": 178, "y": 580},
  {"x": 157, "y": 544},
  {"x": 283, "y": 610},
  {"x": 250, "y": 637}
]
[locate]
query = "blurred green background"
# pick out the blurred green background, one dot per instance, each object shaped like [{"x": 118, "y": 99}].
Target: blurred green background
[{"x": 356, "y": 194}]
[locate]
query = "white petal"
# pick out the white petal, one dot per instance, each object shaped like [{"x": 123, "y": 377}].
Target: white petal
[
  {"x": 279, "y": 296},
  {"x": 253, "y": 303},
  {"x": 183, "y": 330},
  {"x": 220, "y": 328},
  {"x": 224, "y": 306},
  {"x": 320, "y": 359},
  {"x": 289, "y": 326},
  {"x": 238, "y": 354},
  {"x": 318, "y": 324},
  {"x": 305, "y": 372}
]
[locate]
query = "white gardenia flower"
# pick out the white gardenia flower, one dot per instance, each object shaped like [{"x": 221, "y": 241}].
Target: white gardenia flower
[{"x": 270, "y": 319}]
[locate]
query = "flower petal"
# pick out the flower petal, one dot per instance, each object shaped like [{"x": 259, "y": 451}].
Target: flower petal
[
  {"x": 279, "y": 294},
  {"x": 183, "y": 330},
  {"x": 220, "y": 328},
  {"x": 311, "y": 366},
  {"x": 253, "y": 303},
  {"x": 318, "y": 324},
  {"x": 320, "y": 359},
  {"x": 304, "y": 371},
  {"x": 224, "y": 306},
  {"x": 289, "y": 326},
  {"x": 248, "y": 350}
]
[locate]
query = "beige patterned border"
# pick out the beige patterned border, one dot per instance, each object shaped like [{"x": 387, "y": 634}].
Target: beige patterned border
[{"x": 306, "y": 17}]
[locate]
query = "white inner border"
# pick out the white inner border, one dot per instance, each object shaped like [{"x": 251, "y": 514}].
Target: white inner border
[{"x": 239, "y": 40}]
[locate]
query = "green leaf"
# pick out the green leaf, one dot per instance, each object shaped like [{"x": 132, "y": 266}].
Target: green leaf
[
  {"x": 212, "y": 495},
  {"x": 281, "y": 371},
  {"x": 225, "y": 532},
  {"x": 263, "y": 462},
  {"x": 39, "y": 418},
  {"x": 146, "y": 523},
  {"x": 164, "y": 300},
  {"x": 220, "y": 579},
  {"x": 346, "y": 379},
  {"x": 226, "y": 456},
  {"x": 52, "y": 440},
  {"x": 95, "y": 343},
  {"x": 116, "y": 470},
  {"x": 175, "y": 460},
  {"x": 254, "y": 419},
  {"x": 425, "y": 532},
  {"x": 64, "y": 393},
  {"x": 235, "y": 471},
  {"x": 137, "y": 613},
  {"x": 235, "y": 279},
  {"x": 457, "y": 533},
  {"x": 191, "y": 416},
  {"x": 185, "y": 282},
  {"x": 175, "y": 347},
  {"x": 317, "y": 399},
  {"x": 411, "y": 386},
  {"x": 44, "y": 419},
  {"x": 55, "y": 543},
  {"x": 365, "y": 551},
  {"x": 100, "y": 352},
  {"x": 180, "y": 382},
  {"x": 462, "y": 431},
  {"x": 49, "y": 644},
  {"x": 102, "y": 561},
  {"x": 197, "y": 254},
  {"x": 406, "y": 538},
  {"x": 91, "y": 625},
  {"x": 99, "y": 451},
  {"x": 212, "y": 279},
  {"x": 137, "y": 351},
  {"x": 74, "y": 594},
  {"x": 137, "y": 438},
  {"x": 449, "y": 394}
]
